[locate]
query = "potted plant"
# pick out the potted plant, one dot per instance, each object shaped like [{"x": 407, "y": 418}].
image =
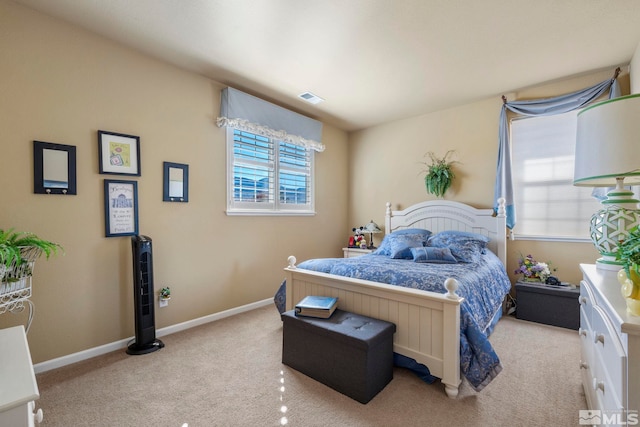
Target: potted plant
[
  {"x": 439, "y": 175},
  {"x": 629, "y": 276},
  {"x": 18, "y": 251}
]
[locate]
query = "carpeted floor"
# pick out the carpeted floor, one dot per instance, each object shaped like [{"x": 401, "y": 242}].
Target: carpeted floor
[{"x": 229, "y": 373}]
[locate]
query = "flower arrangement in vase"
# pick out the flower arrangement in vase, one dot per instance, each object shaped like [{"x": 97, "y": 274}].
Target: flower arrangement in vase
[{"x": 532, "y": 270}]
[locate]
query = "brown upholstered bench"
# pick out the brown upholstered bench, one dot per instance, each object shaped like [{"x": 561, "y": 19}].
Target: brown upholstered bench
[{"x": 350, "y": 353}]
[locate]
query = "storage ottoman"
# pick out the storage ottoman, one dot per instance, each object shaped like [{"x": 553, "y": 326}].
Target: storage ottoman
[
  {"x": 551, "y": 305},
  {"x": 350, "y": 353}
]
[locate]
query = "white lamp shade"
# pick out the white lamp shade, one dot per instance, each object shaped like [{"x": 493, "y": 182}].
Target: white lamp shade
[
  {"x": 372, "y": 227},
  {"x": 608, "y": 143}
]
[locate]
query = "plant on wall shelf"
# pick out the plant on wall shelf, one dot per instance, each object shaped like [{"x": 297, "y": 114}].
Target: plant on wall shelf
[
  {"x": 439, "y": 175},
  {"x": 165, "y": 293},
  {"x": 18, "y": 249}
]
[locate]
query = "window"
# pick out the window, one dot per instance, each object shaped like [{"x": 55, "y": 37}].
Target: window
[
  {"x": 547, "y": 203},
  {"x": 267, "y": 176}
]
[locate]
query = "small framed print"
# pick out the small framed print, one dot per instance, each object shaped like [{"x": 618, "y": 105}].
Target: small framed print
[
  {"x": 118, "y": 153},
  {"x": 176, "y": 182},
  {"x": 54, "y": 168},
  {"x": 120, "y": 208}
]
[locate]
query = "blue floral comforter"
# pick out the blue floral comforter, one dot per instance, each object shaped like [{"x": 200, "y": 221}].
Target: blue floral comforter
[{"x": 483, "y": 285}]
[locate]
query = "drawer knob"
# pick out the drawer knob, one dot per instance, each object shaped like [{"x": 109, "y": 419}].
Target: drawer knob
[
  {"x": 38, "y": 415},
  {"x": 598, "y": 338},
  {"x": 584, "y": 365},
  {"x": 583, "y": 300}
]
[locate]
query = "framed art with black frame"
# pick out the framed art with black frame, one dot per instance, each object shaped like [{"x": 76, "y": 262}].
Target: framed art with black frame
[
  {"x": 176, "y": 182},
  {"x": 54, "y": 168},
  {"x": 120, "y": 208},
  {"x": 118, "y": 153}
]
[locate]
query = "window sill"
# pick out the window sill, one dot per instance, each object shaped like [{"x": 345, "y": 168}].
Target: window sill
[
  {"x": 250, "y": 212},
  {"x": 563, "y": 239}
]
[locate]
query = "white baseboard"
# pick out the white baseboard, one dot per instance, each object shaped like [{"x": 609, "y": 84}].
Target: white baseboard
[{"x": 117, "y": 345}]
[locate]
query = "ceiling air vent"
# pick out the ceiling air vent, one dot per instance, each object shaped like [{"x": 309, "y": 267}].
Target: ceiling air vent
[{"x": 311, "y": 98}]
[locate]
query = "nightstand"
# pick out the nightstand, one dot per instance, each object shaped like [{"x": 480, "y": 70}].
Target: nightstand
[
  {"x": 551, "y": 305},
  {"x": 354, "y": 252}
]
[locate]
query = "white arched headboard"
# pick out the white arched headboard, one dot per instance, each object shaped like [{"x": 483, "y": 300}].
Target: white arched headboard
[{"x": 441, "y": 215}]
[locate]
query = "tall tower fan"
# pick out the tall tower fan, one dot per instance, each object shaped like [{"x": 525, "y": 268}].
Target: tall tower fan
[{"x": 145, "y": 341}]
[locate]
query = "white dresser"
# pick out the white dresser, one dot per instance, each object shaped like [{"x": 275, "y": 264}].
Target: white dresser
[
  {"x": 610, "y": 353},
  {"x": 18, "y": 387}
]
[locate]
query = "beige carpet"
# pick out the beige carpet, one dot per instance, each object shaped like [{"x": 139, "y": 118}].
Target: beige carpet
[{"x": 229, "y": 373}]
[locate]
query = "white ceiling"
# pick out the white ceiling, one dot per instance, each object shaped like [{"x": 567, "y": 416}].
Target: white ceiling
[{"x": 373, "y": 61}]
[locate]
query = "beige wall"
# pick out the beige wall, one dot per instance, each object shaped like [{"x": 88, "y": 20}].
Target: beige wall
[
  {"x": 386, "y": 165},
  {"x": 61, "y": 84}
]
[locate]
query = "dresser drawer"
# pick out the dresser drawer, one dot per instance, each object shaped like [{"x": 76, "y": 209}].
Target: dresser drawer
[
  {"x": 606, "y": 392},
  {"x": 586, "y": 340},
  {"x": 609, "y": 358},
  {"x": 586, "y": 363},
  {"x": 586, "y": 300}
]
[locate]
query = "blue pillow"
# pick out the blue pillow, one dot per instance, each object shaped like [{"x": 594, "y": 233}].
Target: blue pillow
[
  {"x": 465, "y": 246},
  {"x": 399, "y": 242},
  {"x": 433, "y": 255},
  {"x": 401, "y": 245}
]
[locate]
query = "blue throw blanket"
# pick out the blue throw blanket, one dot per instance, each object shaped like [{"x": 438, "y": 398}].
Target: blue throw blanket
[{"x": 483, "y": 285}]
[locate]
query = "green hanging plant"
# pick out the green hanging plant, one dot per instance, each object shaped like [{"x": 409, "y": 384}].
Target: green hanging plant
[{"x": 439, "y": 175}]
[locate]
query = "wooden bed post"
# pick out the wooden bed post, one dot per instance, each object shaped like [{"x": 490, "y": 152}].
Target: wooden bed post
[
  {"x": 387, "y": 219},
  {"x": 451, "y": 350}
]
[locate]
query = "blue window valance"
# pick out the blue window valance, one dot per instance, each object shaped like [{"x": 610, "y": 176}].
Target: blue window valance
[
  {"x": 246, "y": 112},
  {"x": 538, "y": 107}
]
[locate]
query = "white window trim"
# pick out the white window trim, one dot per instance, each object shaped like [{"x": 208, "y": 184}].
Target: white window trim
[
  {"x": 274, "y": 207},
  {"x": 565, "y": 239}
]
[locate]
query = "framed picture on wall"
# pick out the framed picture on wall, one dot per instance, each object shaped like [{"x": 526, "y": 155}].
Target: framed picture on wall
[
  {"x": 54, "y": 168},
  {"x": 120, "y": 208},
  {"x": 175, "y": 187},
  {"x": 118, "y": 153}
]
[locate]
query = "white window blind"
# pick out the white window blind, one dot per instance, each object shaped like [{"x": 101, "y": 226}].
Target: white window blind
[
  {"x": 267, "y": 176},
  {"x": 547, "y": 203},
  {"x": 294, "y": 176}
]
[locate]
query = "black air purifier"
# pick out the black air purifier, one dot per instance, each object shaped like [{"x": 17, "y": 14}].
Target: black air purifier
[{"x": 145, "y": 341}]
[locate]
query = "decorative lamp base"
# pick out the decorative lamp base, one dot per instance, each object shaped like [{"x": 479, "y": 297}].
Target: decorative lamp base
[{"x": 608, "y": 227}]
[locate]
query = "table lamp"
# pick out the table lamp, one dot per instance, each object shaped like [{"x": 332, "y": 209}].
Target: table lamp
[
  {"x": 607, "y": 155},
  {"x": 372, "y": 228}
]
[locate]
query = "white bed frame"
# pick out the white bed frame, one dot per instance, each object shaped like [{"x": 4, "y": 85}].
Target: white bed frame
[{"x": 427, "y": 323}]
